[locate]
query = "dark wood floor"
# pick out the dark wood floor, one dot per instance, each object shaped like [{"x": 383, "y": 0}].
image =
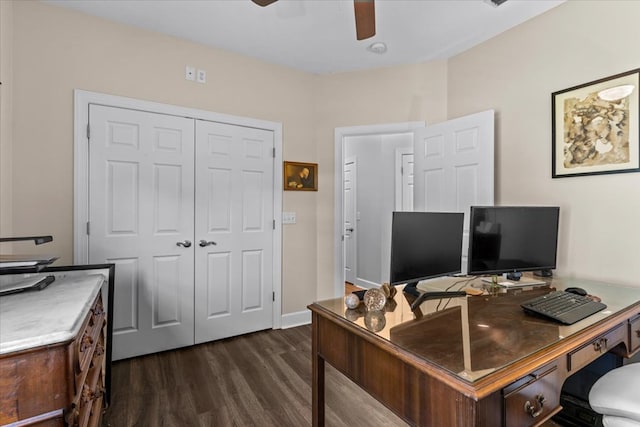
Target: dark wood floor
[
  {"x": 259, "y": 379},
  {"x": 350, "y": 287}
]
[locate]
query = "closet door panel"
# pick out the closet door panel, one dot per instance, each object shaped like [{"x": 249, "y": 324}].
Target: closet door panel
[
  {"x": 234, "y": 220},
  {"x": 218, "y": 194},
  {"x": 218, "y": 284},
  {"x": 141, "y": 205}
]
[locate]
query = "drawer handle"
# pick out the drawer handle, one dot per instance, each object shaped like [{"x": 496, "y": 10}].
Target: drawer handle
[
  {"x": 638, "y": 333},
  {"x": 530, "y": 408},
  {"x": 600, "y": 345}
]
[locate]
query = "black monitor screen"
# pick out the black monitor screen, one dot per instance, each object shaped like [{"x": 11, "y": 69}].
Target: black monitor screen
[
  {"x": 505, "y": 239},
  {"x": 425, "y": 245}
]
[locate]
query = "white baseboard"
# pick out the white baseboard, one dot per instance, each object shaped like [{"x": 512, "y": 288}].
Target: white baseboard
[
  {"x": 367, "y": 284},
  {"x": 291, "y": 320}
]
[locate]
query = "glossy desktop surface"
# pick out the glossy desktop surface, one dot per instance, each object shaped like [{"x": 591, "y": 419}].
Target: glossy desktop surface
[{"x": 474, "y": 336}]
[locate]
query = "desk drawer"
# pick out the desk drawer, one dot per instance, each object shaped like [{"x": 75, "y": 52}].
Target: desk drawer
[
  {"x": 634, "y": 334},
  {"x": 534, "y": 398},
  {"x": 595, "y": 348}
]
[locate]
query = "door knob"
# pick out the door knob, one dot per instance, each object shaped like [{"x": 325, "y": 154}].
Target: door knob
[
  {"x": 204, "y": 243},
  {"x": 184, "y": 244}
]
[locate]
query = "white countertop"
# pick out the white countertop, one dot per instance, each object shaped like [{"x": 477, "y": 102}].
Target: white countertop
[{"x": 53, "y": 315}]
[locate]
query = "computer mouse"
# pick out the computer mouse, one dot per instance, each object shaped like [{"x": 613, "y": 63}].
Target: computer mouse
[{"x": 577, "y": 291}]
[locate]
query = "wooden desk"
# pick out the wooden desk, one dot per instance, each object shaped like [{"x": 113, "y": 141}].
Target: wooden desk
[{"x": 474, "y": 361}]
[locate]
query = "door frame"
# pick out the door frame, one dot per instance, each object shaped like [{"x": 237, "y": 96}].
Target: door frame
[
  {"x": 82, "y": 100},
  {"x": 339, "y": 136}
]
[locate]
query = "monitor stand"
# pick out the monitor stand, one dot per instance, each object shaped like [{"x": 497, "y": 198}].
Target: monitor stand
[
  {"x": 543, "y": 273},
  {"x": 411, "y": 288},
  {"x": 514, "y": 276},
  {"x": 420, "y": 297},
  {"x": 522, "y": 282}
]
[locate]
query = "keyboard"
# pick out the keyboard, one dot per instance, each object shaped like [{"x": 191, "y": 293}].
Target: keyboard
[{"x": 563, "y": 307}]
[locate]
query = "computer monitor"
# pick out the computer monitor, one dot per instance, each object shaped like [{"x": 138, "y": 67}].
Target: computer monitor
[
  {"x": 512, "y": 239},
  {"x": 424, "y": 245}
]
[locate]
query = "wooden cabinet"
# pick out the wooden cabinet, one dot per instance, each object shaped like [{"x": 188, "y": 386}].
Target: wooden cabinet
[{"x": 58, "y": 384}]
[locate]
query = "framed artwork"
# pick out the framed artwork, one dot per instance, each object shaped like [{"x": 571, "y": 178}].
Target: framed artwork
[
  {"x": 300, "y": 176},
  {"x": 595, "y": 127}
]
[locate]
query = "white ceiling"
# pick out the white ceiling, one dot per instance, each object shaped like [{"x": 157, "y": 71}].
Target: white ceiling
[{"x": 318, "y": 36}]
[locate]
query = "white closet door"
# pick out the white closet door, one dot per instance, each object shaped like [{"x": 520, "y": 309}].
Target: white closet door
[
  {"x": 234, "y": 230},
  {"x": 141, "y": 205}
]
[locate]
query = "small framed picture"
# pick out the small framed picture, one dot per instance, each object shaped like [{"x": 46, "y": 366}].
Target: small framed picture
[
  {"x": 300, "y": 176},
  {"x": 595, "y": 127}
]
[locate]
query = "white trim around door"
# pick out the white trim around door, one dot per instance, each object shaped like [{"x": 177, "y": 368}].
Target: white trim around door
[{"x": 82, "y": 100}]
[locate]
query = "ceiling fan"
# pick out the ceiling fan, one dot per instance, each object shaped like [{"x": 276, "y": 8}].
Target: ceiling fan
[{"x": 364, "y": 12}]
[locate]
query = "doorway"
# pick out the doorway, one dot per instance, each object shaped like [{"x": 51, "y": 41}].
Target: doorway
[
  {"x": 453, "y": 169},
  {"x": 361, "y": 135},
  {"x": 373, "y": 192}
]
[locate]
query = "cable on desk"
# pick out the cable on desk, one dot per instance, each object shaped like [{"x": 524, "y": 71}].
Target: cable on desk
[{"x": 464, "y": 282}]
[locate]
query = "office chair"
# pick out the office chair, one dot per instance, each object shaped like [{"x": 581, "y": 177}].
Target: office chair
[{"x": 616, "y": 395}]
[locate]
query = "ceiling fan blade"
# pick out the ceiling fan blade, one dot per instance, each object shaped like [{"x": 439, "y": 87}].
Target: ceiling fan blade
[
  {"x": 365, "y": 18},
  {"x": 264, "y": 3}
]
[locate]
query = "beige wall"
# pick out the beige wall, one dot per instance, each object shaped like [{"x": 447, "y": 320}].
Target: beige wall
[
  {"x": 515, "y": 73},
  {"x": 389, "y": 95},
  {"x": 57, "y": 50},
  {"x": 6, "y": 188}
]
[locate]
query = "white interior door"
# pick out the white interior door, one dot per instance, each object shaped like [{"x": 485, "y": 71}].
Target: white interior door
[
  {"x": 350, "y": 232},
  {"x": 141, "y": 206},
  {"x": 403, "y": 177},
  {"x": 407, "y": 182},
  {"x": 454, "y": 167},
  {"x": 234, "y": 229}
]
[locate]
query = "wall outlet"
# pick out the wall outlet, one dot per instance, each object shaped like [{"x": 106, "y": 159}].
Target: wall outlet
[
  {"x": 201, "y": 76},
  {"x": 190, "y": 73},
  {"x": 288, "y": 217}
]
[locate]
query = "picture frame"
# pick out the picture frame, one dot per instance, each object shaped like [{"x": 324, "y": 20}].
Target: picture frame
[
  {"x": 595, "y": 127},
  {"x": 299, "y": 176}
]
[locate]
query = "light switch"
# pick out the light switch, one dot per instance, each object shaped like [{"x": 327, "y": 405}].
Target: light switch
[{"x": 288, "y": 217}]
